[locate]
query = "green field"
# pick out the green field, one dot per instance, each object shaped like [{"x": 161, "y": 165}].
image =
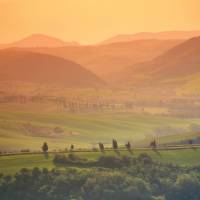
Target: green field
[
  {"x": 171, "y": 139},
  {"x": 12, "y": 164},
  {"x": 89, "y": 129}
]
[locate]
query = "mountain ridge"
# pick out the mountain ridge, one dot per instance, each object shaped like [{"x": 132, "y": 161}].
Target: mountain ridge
[
  {"x": 39, "y": 40},
  {"x": 164, "y": 35}
]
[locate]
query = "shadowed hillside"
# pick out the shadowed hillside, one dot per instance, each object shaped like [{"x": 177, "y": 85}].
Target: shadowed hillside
[
  {"x": 107, "y": 60},
  {"x": 40, "y": 68}
]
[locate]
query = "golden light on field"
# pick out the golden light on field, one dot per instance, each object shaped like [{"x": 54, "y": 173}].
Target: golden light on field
[{"x": 89, "y": 21}]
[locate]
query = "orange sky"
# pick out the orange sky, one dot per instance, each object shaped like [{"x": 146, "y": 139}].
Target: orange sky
[{"x": 90, "y": 21}]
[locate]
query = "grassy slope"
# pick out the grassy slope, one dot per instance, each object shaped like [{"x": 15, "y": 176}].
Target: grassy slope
[
  {"x": 170, "y": 139},
  {"x": 192, "y": 86},
  {"x": 91, "y": 128},
  {"x": 12, "y": 164}
]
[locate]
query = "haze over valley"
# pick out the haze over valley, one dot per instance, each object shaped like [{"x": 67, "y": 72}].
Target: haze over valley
[
  {"x": 155, "y": 76},
  {"x": 99, "y": 100}
]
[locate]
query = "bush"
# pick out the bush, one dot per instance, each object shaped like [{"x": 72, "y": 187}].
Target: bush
[
  {"x": 144, "y": 158},
  {"x": 110, "y": 161},
  {"x": 114, "y": 162},
  {"x": 70, "y": 159}
]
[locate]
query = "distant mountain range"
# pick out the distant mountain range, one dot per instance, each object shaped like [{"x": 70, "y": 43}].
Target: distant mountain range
[
  {"x": 107, "y": 60},
  {"x": 144, "y": 62},
  {"x": 23, "y": 66},
  {"x": 166, "y": 35},
  {"x": 39, "y": 40}
]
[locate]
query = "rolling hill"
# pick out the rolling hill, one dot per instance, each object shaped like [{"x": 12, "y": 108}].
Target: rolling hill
[
  {"x": 107, "y": 60},
  {"x": 178, "y": 66},
  {"x": 166, "y": 35},
  {"x": 83, "y": 130},
  {"x": 26, "y": 66}
]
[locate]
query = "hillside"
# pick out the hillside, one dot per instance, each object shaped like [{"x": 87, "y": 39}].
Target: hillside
[
  {"x": 107, "y": 60},
  {"x": 166, "y": 35},
  {"x": 178, "y": 66},
  {"x": 44, "y": 69}
]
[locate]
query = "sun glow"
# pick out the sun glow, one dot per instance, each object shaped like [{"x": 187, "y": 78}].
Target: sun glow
[{"x": 89, "y": 21}]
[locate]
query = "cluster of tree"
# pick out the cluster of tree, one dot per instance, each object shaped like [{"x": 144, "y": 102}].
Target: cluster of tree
[
  {"x": 141, "y": 180},
  {"x": 115, "y": 146},
  {"x": 104, "y": 161},
  {"x": 68, "y": 104},
  {"x": 101, "y": 146},
  {"x": 71, "y": 159}
]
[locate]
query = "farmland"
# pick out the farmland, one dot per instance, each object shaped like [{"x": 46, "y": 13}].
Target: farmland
[{"x": 19, "y": 129}]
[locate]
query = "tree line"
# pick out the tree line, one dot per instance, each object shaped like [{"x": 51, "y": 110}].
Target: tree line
[{"x": 118, "y": 178}]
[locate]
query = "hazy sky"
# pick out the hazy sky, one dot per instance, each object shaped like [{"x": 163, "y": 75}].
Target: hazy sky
[{"x": 90, "y": 21}]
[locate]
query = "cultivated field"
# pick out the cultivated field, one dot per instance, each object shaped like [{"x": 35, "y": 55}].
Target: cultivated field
[{"x": 28, "y": 130}]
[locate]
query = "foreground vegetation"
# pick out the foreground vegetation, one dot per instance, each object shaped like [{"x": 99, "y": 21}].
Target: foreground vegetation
[
  {"x": 125, "y": 177},
  {"x": 12, "y": 164},
  {"x": 138, "y": 174}
]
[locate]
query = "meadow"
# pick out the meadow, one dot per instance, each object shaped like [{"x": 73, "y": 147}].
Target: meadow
[
  {"x": 13, "y": 163},
  {"x": 81, "y": 129}
]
